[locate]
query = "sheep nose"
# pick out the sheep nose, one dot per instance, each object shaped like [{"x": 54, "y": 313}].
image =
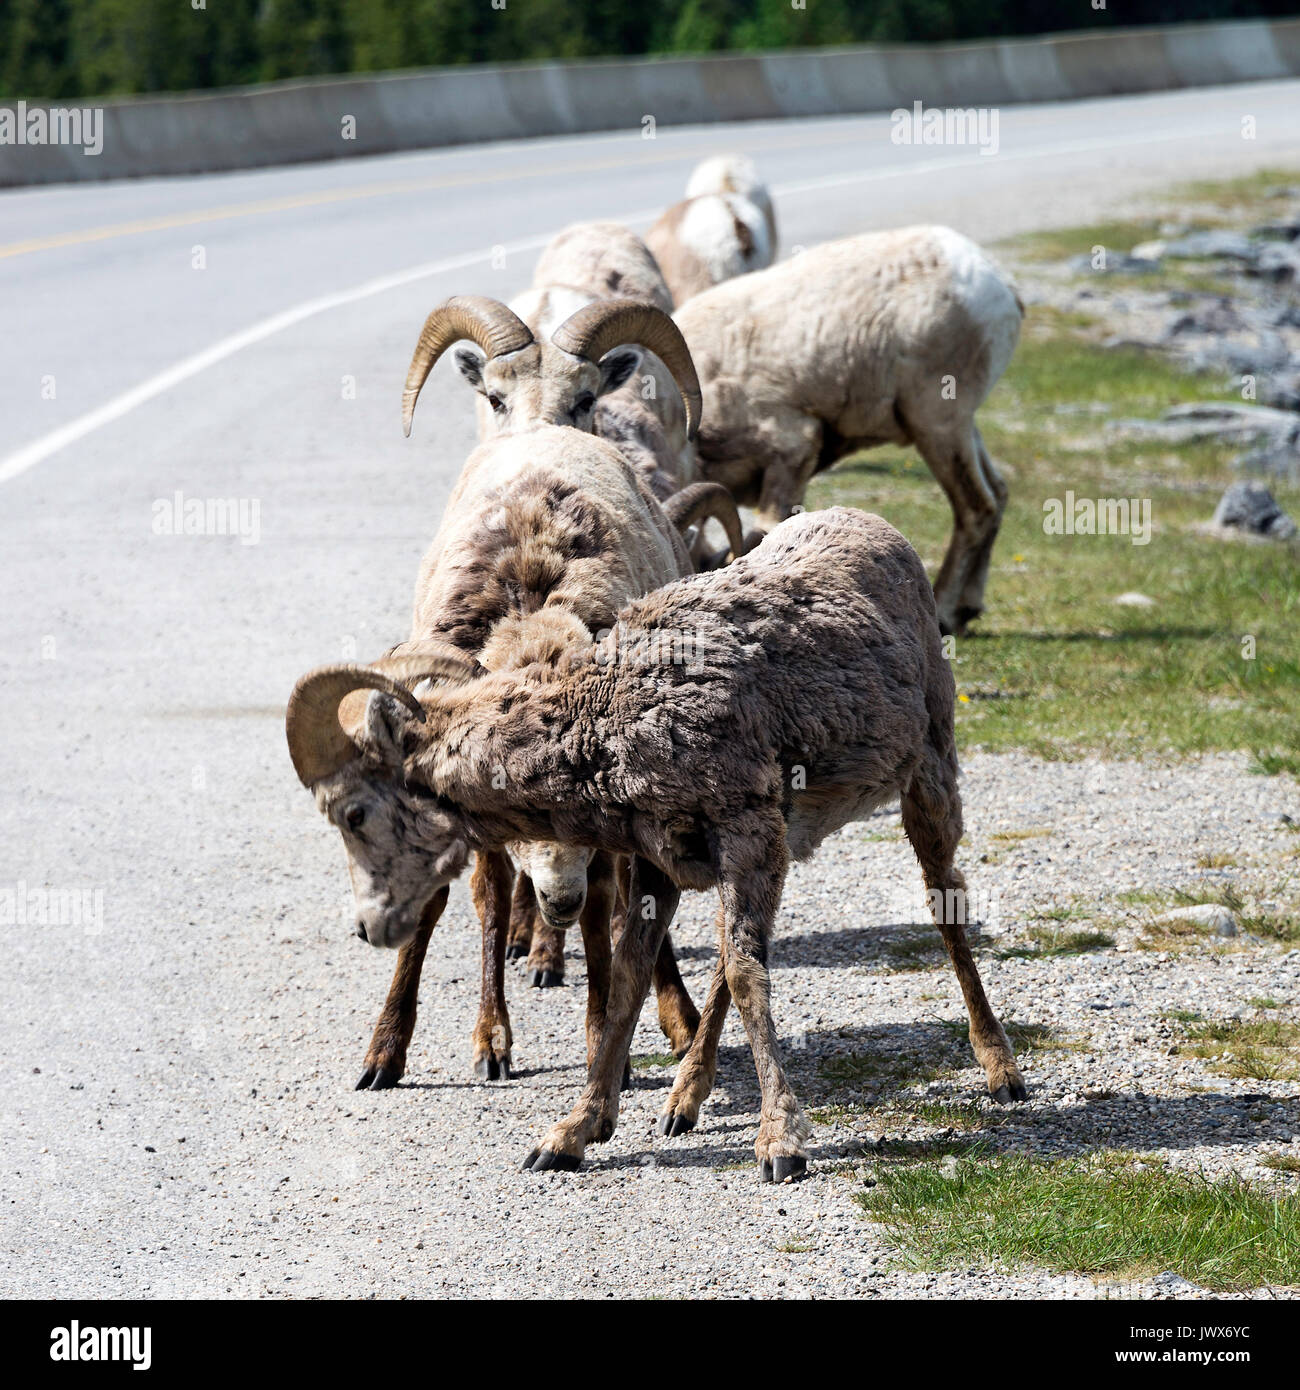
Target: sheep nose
[
  {"x": 361, "y": 929},
  {"x": 562, "y": 903}
]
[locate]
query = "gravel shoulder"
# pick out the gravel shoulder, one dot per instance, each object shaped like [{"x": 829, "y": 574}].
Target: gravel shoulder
[{"x": 236, "y": 1160}]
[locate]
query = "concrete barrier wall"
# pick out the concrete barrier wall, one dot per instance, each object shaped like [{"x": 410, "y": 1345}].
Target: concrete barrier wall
[{"x": 287, "y": 122}]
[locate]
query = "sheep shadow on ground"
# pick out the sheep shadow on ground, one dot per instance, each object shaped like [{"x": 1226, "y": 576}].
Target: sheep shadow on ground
[{"x": 868, "y": 1075}]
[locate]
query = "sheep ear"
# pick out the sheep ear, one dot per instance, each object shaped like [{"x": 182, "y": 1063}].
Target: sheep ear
[
  {"x": 389, "y": 728},
  {"x": 616, "y": 367},
  {"x": 470, "y": 365}
]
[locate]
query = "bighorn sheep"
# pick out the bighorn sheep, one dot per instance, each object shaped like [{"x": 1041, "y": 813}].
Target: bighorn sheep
[
  {"x": 545, "y": 537},
  {"x": 646, "y": 416},
  {"x": 724, "y": 227},
  {"x": 571, "y": 379},
  {"x": 814, "y": 690},
  {"x": 540, "y": 361},
  {"x": 895, "y": 337}
]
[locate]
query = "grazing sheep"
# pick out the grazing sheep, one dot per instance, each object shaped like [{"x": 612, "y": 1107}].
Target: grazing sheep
[
  {"x": 813, "y": 690},
  {"x": 895, "y": 337},
  {"x": 724, "y": 227},
  {"x": 545, "y": 537}
]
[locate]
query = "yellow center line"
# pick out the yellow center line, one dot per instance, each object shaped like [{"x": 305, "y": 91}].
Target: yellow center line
[{"x": 342, "y": 195}]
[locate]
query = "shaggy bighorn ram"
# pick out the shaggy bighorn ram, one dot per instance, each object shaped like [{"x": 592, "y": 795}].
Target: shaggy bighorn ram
[
  {"x": 815, "y": 690},
  {"x": 545, "y": 537},
  {"x": 895, "y": 337},
  {"x": 724, "y": 227}
]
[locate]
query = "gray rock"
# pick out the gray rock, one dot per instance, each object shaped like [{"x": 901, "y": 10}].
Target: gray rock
[
  {"x": 1251, "y": 507},
  {"x": 1116, "y": 263},
  {"x": 1238, "y": 424},
  {"x": 1214, "y": 917},
  {"x": 1205, "y": 245},
  {"x": 1171, "y": 1282},
  {"x": 1278, "y": 261}
]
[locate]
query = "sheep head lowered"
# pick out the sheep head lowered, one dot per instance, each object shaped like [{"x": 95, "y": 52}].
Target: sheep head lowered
[
  {"x": 404, "y": 844},
  {"x": 528, "y": 383}
]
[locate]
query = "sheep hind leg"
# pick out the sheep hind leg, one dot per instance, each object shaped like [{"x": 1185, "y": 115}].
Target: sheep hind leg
[
  {"x": 653, "y": 899},
  {"x": 954, "y": 459},
  {"x": 753, "y": 865},
  {"x": 971, "y": 604},
  {"x": 695, "y": 1077},
  {"x": 931, "y": 810},
  {"x": 385, "y": 1063}
]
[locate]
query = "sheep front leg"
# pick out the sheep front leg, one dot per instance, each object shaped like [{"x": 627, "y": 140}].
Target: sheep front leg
[
  {"x": 523, "y": 911},
  {"x": 385, "y": 1063},
  {"x": 546, "y": 956},
  {"x": 491, "y": 887},
  {"x": 753, "y": 862},
  {"x": 792, "y": 451},
  {"x": 698, "y": 1071},
  {"x": 653, "y": 900},
  {"x": 595, "y": 921}
]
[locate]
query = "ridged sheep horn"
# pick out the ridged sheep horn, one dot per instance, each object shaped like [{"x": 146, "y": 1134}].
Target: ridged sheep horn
[
  {"x": 606, "y": 323},
  {"x": 486, "y": 322},
  {"x": 429, "y": 659},
  {"x": 317, "y": 743}
]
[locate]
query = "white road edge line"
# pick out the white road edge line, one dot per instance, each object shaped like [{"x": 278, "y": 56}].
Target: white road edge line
[{"x": 41, "y": 449}]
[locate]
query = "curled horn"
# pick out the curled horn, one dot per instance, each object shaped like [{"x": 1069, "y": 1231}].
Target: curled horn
[
  {"x": 485, "y": 322},
  {"x": 317, "y": 743},
  {"x": 699, "y": 502},
  {"x": 430, "y": 659},
  {"x": 606, "y": 323}
]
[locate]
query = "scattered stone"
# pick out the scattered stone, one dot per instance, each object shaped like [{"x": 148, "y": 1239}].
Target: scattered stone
[
  {"x": 1250, "y": 507},
  {"x": 1201, "y": 246},
  {"x": 1172, "y": 1282},
  {"x": 1115, "y": 263},
  {"x": 1135, "y": 600},
  {"x": 1216, "y": 918},
  {"x": 1228, "y": 421}
]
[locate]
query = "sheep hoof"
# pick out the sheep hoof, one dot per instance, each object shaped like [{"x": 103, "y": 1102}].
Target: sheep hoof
[
  {"x": 545, "y": 979},
  {"x": 548, "y": 1161},
  {"x": 517, "y": 950},
  {"x": 379, "y": 1078},
  {"x": 783, "y": 1168},
  {"x": 490, "y": 1068},
  {"x": 673, "y": 1122},
  {"x": 1004, "y": 1095}
]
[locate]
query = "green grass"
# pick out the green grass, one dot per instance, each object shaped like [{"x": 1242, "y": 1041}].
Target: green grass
[
  {"x": 1103, "y": 1216},
  {"x": 1055, "y": 941},
  {"x": 645, "y": 1060},
  {"x": 1054, "y": 666},
  {"x": 1262, "y": 1049},
  {"x": 1284, "y": 1163}
]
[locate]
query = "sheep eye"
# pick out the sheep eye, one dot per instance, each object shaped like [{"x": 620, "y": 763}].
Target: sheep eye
[
  {"x": 496, "y": 403},
  {"x": 584, "y": 403},
  {"x": 355, "y": 817}
]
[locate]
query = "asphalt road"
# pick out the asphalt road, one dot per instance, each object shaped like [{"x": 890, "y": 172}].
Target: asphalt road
[{"x": 179, "y": 1072}]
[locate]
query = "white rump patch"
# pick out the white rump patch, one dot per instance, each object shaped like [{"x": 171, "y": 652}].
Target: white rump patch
[{"x": 708, "y": 230}]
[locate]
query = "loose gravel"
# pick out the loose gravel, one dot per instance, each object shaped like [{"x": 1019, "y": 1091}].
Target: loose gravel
[{"x": 236, "y": 1160}]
